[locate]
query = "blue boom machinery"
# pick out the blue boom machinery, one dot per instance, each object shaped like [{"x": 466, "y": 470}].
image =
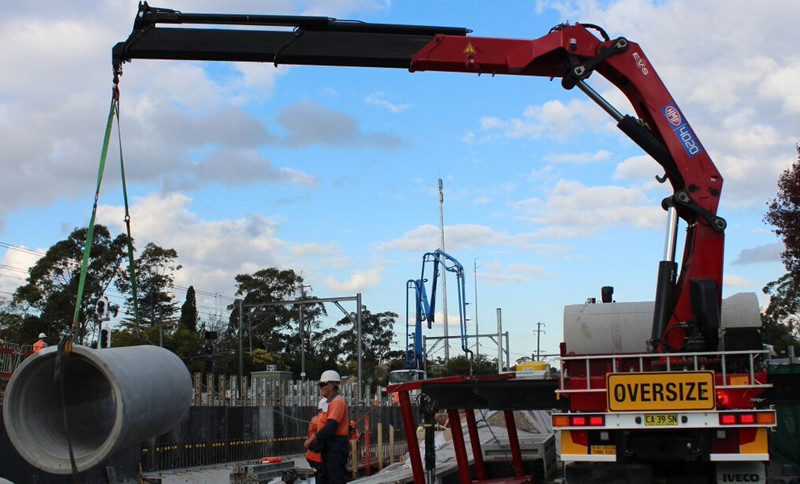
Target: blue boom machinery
[{"x": 425, "y": 310}]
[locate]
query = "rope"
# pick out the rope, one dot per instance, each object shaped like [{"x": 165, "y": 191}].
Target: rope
[
  {"x": 87, "y": 250},
  {"x": 131, "y": 265}
]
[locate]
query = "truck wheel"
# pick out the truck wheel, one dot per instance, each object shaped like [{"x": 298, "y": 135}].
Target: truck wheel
[{"x": 579, "y": 473}]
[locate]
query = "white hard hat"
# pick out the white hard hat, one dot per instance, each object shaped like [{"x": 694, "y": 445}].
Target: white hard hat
[
  {"x": 329, "y": 376},
  {"x": 322, "y": 402},
  {"x": 42, "y": 335}
]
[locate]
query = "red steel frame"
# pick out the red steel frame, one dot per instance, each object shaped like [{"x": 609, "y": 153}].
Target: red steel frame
[{"x": 453, "y": 414}]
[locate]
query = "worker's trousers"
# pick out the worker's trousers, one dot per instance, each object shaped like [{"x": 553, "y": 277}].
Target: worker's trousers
[{"x": 334, "y": 461}]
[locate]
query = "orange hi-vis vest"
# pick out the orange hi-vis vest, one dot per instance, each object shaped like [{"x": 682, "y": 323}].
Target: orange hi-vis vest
[
  {"x": 337, "y": 411},
  {"x": 312, "y": 456},
  {"x": 39, "y": 346}
]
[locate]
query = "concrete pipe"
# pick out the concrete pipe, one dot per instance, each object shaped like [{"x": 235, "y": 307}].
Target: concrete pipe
[{"x": 114, "y": 398}]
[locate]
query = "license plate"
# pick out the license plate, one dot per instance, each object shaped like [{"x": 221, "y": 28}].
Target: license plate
[
  {"x": 660, "y": 419},
  {"x": 660, "y": 391},
  {"x": 604, "y": 450}
]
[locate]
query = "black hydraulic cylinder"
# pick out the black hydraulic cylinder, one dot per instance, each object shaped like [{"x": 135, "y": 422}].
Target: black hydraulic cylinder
[
  {"x": 665, "y": 288},
  {"x": 655, "y": 148}
]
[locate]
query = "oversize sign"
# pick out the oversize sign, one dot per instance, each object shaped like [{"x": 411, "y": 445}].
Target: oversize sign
[{"x": 660, "y": 391}]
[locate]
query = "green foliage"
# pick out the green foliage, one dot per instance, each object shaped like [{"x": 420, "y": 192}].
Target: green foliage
[
  {"x": 783, "y": 212},
  {"x": 52, "y": 284},
  {"x": 273, "y": 327},
  {"x": 20, "y": 328},
  {"x": 155, "y": 269},
  {"x": 377, "y": 333},
  {"x": 459, "y": 365},
  {"x": 780, "y": 321},
  {"x": 260, "y": 359},
  {"x": 189, "y": 310}
]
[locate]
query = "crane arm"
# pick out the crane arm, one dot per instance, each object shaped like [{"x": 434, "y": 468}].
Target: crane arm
[
  {"x": 569, "y": 52},
  {"x": 450, "y": 264}
]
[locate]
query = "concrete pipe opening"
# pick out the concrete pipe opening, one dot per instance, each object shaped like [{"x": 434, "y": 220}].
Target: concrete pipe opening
[{"x": 114, "y": 398}]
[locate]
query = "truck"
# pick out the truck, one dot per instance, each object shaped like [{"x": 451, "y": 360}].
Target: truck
[{"x": 674, "y": 386}]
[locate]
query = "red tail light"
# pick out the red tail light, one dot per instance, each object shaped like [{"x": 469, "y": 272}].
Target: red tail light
[
  {"x": 722, "y": 399},
  {"x": 747, "y": 418},
  {"x": 727, "y": 419},
  {"x": 578, "y": 421},
  {"x": 597, "y": 421}
]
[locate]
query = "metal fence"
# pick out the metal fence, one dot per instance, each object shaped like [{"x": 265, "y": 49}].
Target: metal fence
[
  {"x": 11, "y": 355},
  {"x": 218, "y": 435},
  {"x": 229, "y": 390}
]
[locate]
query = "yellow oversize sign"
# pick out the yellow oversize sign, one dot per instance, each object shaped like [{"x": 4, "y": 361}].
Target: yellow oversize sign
[{"x": 660, "y": 391}]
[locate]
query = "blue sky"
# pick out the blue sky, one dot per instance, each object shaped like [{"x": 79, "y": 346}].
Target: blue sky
[{"x": 333, "y": 171}]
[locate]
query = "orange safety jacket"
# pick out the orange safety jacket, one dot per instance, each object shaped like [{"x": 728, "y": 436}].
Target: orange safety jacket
[
  {"x": 312, "y": 456},
  {"x": 39, "y": 346},
  {"x": 337, "y": 411}
]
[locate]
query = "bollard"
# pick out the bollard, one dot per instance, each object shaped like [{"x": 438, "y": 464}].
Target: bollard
[
  {"x": 367, "y": 447},
  {"x": 354, "y": 458},
  {"x": 391, "y": 444},
  {"x": 114, "y": 397},
  {"x": 380, "y": 446}
]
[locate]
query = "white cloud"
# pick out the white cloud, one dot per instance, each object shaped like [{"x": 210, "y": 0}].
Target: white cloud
[
  {"x": 737, "y": 282},
  {"x": 212, "y": 252},
  {"x": 358, "y": 281},
  {"x": 553, "y": 120},
  {"x": 14, "y": 267},
  {"x": 378, "y": 99},
  {"x": 573, "y": 209},
  {"x": 463, "y": 237},
  {"x": 579, "y": 158},
  {"x": 740, "y": 97},
  {"x": 760, "y": 253}
]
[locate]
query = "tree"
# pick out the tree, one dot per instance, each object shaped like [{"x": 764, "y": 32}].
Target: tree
[
  {"x": 52, "y": 284},
  {"x": 274, "y": 327},
  {"x": 377, "y": 333},
  {"x": 783, "y": 212},
  {"x": 189, "y": 310},
  {"x": 780, "y": 320},
  {"x": 155, "y": 269}
]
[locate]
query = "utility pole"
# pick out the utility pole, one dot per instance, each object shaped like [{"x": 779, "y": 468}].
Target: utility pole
[
  {"x": 444, "y": 272},
  {"x": 538, "y": 332},
  {"x": 241, "y": 350},
  {"x": 477, "y": 339},
  {"x": 499, "y": 341},
  {"x": 302, "y": 334}
]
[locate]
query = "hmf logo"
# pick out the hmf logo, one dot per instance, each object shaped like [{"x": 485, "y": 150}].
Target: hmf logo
[
  {"x": 673, "y": 116},
  {"x": 682, "y": 130}
]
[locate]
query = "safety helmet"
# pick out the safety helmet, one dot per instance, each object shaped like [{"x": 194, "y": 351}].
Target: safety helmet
[
  {"x": 329, "y": 376},
  {"x": 42, "y": 335},
  {"x": 322, "y": 402}
]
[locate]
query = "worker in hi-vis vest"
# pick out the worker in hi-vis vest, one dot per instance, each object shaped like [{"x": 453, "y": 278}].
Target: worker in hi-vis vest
[
  {"x": 313, "y": 456},
  {"x": 333, "y": 431},
  {"x": 41, "y": 344}
]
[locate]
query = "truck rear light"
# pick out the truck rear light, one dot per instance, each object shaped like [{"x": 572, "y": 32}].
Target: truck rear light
[
  {"x": 722, "y": 399},
  {"x": 560, "y": 420},
  {"x": 760, "y": 418},
  {"x": 597, "y": 421},
  {"x": 747, "y": 418},
  {"x": 766, "y": 418}
]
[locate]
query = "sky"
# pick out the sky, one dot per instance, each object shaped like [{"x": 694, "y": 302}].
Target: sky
[{"x": 333, "y": 171}]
